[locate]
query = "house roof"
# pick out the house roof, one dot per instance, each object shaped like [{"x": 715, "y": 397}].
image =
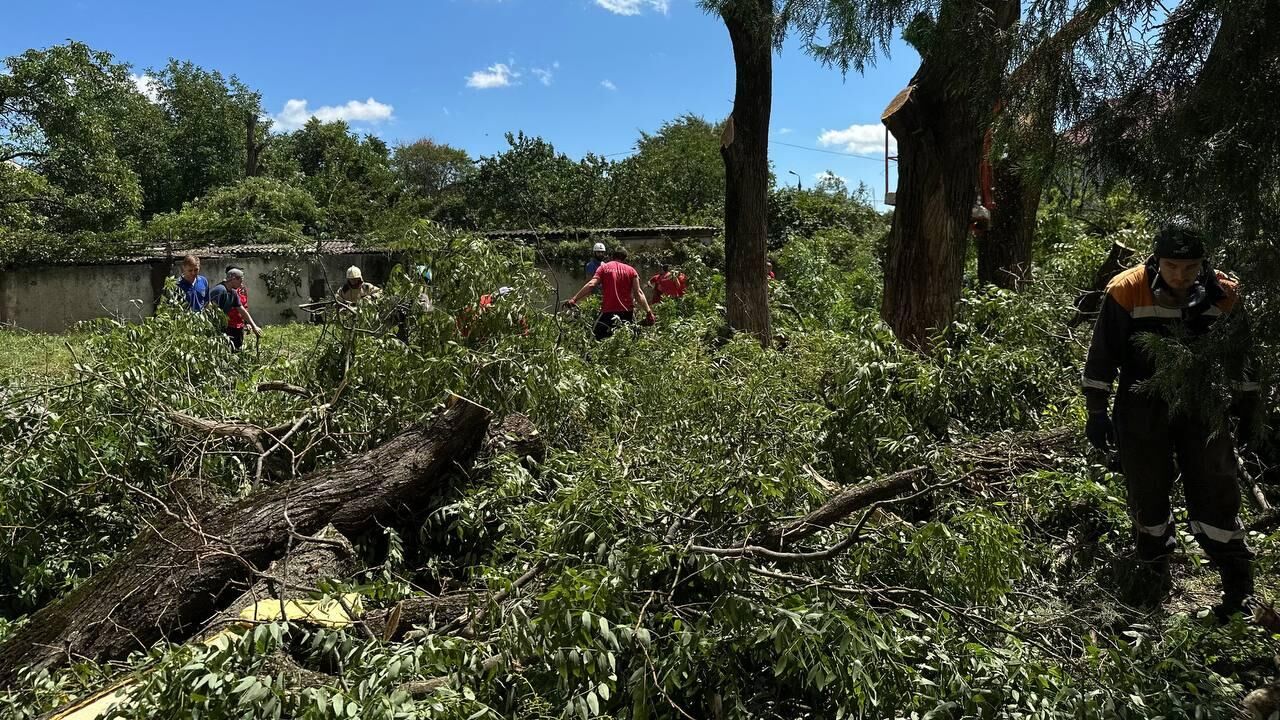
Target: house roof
[
  {"x": 162, "y": 253},
  {"x": 675, "y": 231}
]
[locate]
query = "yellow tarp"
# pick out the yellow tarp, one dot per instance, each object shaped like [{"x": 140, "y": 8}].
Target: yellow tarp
[{"x": 326, "y": 612}]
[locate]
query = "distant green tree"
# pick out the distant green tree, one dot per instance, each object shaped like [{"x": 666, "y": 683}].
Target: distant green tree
[
  {"x": 349, "y": 176},
  {"x": 206, "y": 137},
  {"x": 74, "y": 134},
  {"x": 675, "y": 176},
  {"x": 799, "y": 213},
  {"x": 531, "y": 185},
  {"x": 257, "y": 209},
  {"x": 425, "y": 168}
]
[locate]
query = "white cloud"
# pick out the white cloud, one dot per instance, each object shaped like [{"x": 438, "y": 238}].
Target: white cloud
[
  {"x": 784, "y": 131},
  {"x": 446, "y": 111},
  {"x": 819, "y": 177},
  {"x": 545, "y": 75},
  {"x": 147, "y": 86},
  {"x": 608, "y": 85},
  {"x": 860, "y": 139},
  {"x": 296, "y": 113},
  {"x": 496, "y": 76},
  {"x": 634, "y": 7}
]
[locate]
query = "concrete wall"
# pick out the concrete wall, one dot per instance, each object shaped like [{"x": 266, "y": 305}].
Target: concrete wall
[
  {"x": 321, "y": 276},
  {"x": 53, "y": 298}
]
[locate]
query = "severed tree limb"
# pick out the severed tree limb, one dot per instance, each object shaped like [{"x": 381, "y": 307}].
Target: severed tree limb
[
  {"x": 395, "y": 622},
  {"x": 326, "y": 556},
  {"x": 244, "y": 431},
  {"x": 1002, "y": 456},
  {"x": 176, "y": 574},
  {"x": 852, "y": 538},
  {"x": 839, "y": 507},
  {"x": 295, "y": 675}
]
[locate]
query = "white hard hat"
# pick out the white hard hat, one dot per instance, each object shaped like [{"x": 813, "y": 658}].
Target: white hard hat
[
  {"x": 353, "y": 273},
  {"x": 598, "y": 247}
]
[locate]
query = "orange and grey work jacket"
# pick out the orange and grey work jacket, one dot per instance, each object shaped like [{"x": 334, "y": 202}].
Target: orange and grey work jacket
[{"x": 1130, "y": 310}]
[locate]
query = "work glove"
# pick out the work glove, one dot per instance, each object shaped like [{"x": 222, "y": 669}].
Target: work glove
[
  {"x": 649, "y": 319},
  {"x": 1100, "y": 432}
]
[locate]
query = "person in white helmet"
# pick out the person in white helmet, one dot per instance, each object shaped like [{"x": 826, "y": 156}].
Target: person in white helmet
[
  {"x": 597, "y": 259},
  {"x": 356, "y": 289}
]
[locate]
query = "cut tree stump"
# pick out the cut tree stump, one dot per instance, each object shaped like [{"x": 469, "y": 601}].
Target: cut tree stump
[
  {"x": 328, "y": 555},
  {"x": 178, "y": 574}
]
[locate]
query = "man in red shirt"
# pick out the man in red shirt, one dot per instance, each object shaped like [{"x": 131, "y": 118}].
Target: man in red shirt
[
  {"x": 666, "y": 284},
  {"x": 620, "y": 285}
]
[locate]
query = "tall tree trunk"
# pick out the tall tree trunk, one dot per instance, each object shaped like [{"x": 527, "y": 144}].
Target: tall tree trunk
[
  {"x": 939, "y": 122},
  {"x": 745, "y": 149},
  {"x": 1004, "y": 250},
  {"x": 179, "y": 573}
]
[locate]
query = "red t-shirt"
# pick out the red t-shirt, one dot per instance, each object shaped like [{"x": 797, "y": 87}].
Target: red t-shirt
[
  {"x": 615, "y": 279},
  {"x": 668, "y": 285},
  {"x": 235, "y": 319}
]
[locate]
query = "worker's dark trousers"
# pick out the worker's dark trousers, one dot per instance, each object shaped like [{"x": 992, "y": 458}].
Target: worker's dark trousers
[
  {"x": 1150, "y": 441},
  {"x": 606, "y": 322}
]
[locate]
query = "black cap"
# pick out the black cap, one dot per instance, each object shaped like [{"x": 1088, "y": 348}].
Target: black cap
[{"x": 1179, "y": 241}]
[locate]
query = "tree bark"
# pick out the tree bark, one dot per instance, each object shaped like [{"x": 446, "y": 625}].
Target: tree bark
[
  {"x": 253, "y": 148},
  {"x": 327, "y": 556},
  {"x": 177, "y": 575},
  {"x": 939, "y": 122},
  {"x": 745, "y": 150},
  {"x": 1004, "y": 250}
]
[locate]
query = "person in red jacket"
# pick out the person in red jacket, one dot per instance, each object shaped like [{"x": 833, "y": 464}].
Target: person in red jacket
[
  {"x": 620, "y": 291},
  {"x": 667, "y": 284}
]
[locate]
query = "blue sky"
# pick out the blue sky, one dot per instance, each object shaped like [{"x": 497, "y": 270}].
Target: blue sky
[{"x": 585, "y": 74}]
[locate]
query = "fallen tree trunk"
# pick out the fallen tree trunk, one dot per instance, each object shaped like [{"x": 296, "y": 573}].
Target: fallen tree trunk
[
  {"x": 328, "y": 555},
  {"x": 181, "y": 571}
]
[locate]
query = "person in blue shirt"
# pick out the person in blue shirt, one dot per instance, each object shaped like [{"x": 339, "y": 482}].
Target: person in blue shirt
[
  {"x": 193, "y": 286},
  {"x": 597, "y": 259}
]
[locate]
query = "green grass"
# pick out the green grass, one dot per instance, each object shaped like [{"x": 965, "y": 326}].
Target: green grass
[{"x": 32, "y": 359}]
